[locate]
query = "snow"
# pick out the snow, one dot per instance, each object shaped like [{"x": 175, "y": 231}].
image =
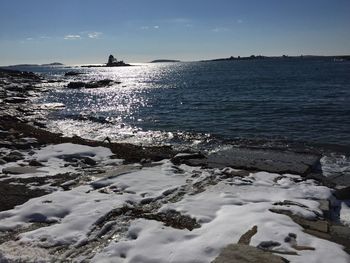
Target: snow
[
  {"x": 345, "y": 213},
  {"x": 53, "y": 158},
  {"x": 65, "y": 150},
  {"x": 225, "y": 207}
]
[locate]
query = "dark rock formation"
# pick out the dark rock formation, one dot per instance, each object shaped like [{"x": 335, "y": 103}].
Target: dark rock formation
[
  {"x": 113, "y": 62},
  {"x": 76, "y": 85},
  {"x": 72, "y": 73},
  {"x": 92, "y": 84}
]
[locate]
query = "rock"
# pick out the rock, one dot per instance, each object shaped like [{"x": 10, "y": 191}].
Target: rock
[
  {"x": 263, "y": 160},
  {"x": 15, "y": 88},
  {"x": 319, "y": 225},
  {"x": 35, "y": 163},
  {"x": 76, "y": 85},
  {"x": 16, "y": 194},
  {"x": 246, "y": 237},
  {"x": 14, "y": 156},
  {"x": 240, "y": 253},
  {"x": 330, "y": 183},
  {"x": 341, "y": 231},
  {"x": 229, "y": 172},
  {"x": 267, "y": 245},
  {"x": 15, "y": 100},
  {"x": 92, "y": 84},
  {"x": 182, "y": 157},
  {"x": 99, "y": 83},
  {"x": 20, "y": 170},
  {"x": 89, "y": 161},
  {"x": 113, "y": 62},
  {"x": 325, "y": 208},
  {"x": 72, "y": 73},
  {"x": 2, "y": 162},
  {"x": 343, "y": 193}
]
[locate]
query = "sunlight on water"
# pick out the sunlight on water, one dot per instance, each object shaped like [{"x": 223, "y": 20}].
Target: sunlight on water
[{"x": 288, "y": 100}]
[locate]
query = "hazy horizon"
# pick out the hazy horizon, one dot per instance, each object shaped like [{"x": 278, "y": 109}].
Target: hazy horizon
[{"x": 86, "y": 32}]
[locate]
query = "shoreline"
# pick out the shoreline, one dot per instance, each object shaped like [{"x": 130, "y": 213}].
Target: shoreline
[{"x": 19, "y": 139}]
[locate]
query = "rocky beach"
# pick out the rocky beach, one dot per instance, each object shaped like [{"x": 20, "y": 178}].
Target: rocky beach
[{"x": 72, "y": 199}]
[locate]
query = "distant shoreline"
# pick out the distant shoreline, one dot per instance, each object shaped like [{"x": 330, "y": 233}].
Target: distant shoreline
[{"x": 232, "y": 58}]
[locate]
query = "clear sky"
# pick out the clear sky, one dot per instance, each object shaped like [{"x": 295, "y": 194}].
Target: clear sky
[{"x": 87, "y": 31}]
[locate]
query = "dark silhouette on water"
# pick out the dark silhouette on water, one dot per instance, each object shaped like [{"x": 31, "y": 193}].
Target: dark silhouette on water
[{"x": 113, "y": 62}]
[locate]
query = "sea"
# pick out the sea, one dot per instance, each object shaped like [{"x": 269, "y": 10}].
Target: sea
[{"x": 301, "y": 104}]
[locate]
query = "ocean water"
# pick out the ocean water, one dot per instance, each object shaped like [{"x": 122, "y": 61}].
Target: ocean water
[
  {"x": 296, "y": 100},
  {"x": 299, "y": 104}
]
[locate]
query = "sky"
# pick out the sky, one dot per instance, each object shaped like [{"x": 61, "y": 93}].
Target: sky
[{"x": 87, "y": 31}]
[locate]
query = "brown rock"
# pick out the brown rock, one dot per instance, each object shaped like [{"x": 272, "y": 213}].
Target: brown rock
[
  {"x": 246, "y": 237},
  {"x": 240, "y": 253}
]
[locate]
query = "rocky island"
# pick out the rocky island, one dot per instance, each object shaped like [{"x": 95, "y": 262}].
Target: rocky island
[
  {"x": 164, "y": 60},
  {"x": 112, "y": 62}
]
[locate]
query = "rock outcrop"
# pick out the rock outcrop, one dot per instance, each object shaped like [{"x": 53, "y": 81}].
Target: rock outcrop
[{"x": 113, "y": 62}]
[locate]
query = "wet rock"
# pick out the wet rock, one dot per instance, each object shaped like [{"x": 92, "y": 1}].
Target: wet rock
[
  {"x": 15, "y": 100},
  {"x": 76, "y": 85},
  {"x": 72, "y": 73},
  {"x": 92, "y": 84},
  {"x": 240, "y": 253},
  {"x": 99, "y": 84}
]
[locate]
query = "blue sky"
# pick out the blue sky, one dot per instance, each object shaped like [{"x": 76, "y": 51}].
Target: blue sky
[{"x": 87, "y": 31}]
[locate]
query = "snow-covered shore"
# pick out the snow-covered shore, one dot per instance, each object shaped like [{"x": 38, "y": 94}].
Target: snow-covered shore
[{"x": 95, "y": 218}]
